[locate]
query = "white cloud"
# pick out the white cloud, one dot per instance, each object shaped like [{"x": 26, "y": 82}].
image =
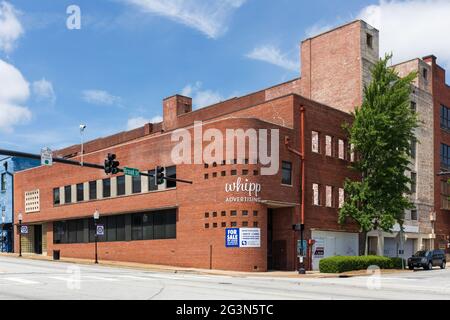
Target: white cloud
[
  {"x": 14, "y": 91},
  {"x": 137, "y": 122},
  {"x": 273, "y": 56},
  {"x": 411, "y": 29},
  {"x": 210, "y": 17},
  {"x": 100, "y": 97},
  {"x": 201, "y": 98},
  {"x": 10, "y": 27},
  {"x": 43, "y": 90}
]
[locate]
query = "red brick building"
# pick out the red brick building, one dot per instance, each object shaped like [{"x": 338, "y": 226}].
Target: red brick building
[{"x": 185, "y": 225}]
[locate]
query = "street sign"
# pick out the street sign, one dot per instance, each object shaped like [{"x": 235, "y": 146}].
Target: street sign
[
  {"x": 46, "y": 157},
  {"x": 24, "y": 229},
  {"x": 131, "y": 172},
  {"x": 100, "y": 230}
]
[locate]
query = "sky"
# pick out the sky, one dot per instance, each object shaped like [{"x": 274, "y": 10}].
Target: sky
[{"x": 112, "y": 71}]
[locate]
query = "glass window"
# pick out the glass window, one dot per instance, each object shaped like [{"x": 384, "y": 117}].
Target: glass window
[
  {"x": 120, "y": 227},
  {"x": 136, "y": 226},
  {"x": 414, "y": 215},
  {"x": 159, "y": 230},
  {"x": 329, "y": 196},
  {"x": 111, "y": 232},
  {"x": 152, "y": 186},
  {"x": 341, "y": 197},
  {"x": 147, "y": 220},
  {"x": 120, "y": 185},
  {"x": 445, "y": 117},
  {"x": 286, "y": 172},
  {"x": 106, "y": 188},
  {"x": 171, "y": 172},
  {"x": 80, "y": 231},
  {"x": 413, "y": 182},
  {"x": 316, "y": 194},
  {"x": 3, "y": 181},
  {"x": 329, "y": 146},
  {"x": 93, "y": 190},
  {"x": 72, "y": 226},
  {"x": 341, "y": 149},
  {"x": 413, "y": 148},
  {"x": 67, "y": 194},
  {"x": 315, "y": 141},
  {"x": 80, "y": 192},
  {"x": 233, "y": 172},
  {"x": 171, "y": 225},
  {"x": 136, "y": 184},
  {"x": 233, "y": 213},
  {"x": 56, "y": 198}
]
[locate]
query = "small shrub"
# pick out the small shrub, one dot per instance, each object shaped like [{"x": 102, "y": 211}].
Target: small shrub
[{"x": 338, "y": 264}]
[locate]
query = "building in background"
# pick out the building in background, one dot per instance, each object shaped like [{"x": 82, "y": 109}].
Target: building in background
[{"x": 8, "y": 166}]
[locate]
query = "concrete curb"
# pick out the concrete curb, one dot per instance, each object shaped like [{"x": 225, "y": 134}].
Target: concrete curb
[{"x": 174, "y": 269}]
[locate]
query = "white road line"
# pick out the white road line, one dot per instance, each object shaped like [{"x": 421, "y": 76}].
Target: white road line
[
  {"x": 61, "y": 278},
  {"x": 100, "y": 278},
  {"x": 134, "y": 277},
  {"x": 21, "y": 280}
]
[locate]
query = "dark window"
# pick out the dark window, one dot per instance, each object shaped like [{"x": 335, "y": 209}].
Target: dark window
[
  {"x": 59, "y": 232},
  {"x": 215, "y": 225},
  {"x": 233, "y": 213},
  {"x": 93, "y": 190},
  {"x": 106, "y": 188},
  {"x": 56, "y": 198},
  {"x": 233, "y": 172},
  {"x": 80, "y": 231},
  {"x": 369, "y": 39},
  {"x": 136, "y": 227},
  {"x": 286, "y": 172},
  {"x": 445, "y": 156},
  {"x": 120, "y": 185},
  {"x": 147, "y": 220},
  {"x": 72, "y": 226},
  {"x": 214, "y": 214},
  {"x": 171, "y": 225},
  {"x": 244, "y": 223},
  {"x": 445, "y": 118},
  {"x": 255, "y": 172},
  {"x": 414, "y": 214},
  {"x": 171, "y": 172},
  {"x": 244, "y": 172},
  {"x": 223, "y": 173},
  {"x": 120, "y": 227},
  {"x": 425, "y": 73},
  {"x": 223, "y": 213},
  {"x": 233, "y": 224},
  {"x": 67, "y": 194},
  {"x": 413, "y": 148},
  {"x": 255, "y": 213},
  {"x": 413, "y": 106},
  {"x": 255, "y": 224},
  {"x": 80, "y": 192},
  {"x": 413, "y": 182},
  {"x": 152, "y": 186},
  {"x": 224, "y": 224},
  {"x": 214, "y": 174},
  {"x": 206, "y": 166},
  {"x": 111, "y": 231},
  {"x": 206, "y": 214},
  {"x": 206, "y": 176},
  {"x": 159, "y": 230},
  {"x": 3, "y": 181},
  {"x": 136, "y": 184},
  {"x": 206, "y": 225},
  {"x": 214, "y": 164},
  {"x": 244, "y": 212}
]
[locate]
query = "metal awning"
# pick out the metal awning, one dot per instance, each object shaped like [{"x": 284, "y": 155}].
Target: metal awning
[{"x": 279, "y": 204}]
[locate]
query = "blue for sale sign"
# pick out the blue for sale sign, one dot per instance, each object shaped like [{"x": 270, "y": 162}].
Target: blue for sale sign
[{"x": 232, "y": 237}]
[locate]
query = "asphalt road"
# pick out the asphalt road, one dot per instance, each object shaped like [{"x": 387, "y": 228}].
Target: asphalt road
[{"x": 34, "y": 279}]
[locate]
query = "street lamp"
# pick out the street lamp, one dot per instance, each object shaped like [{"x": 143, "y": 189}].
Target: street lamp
[
  {"x": 19, "y": 216},
  {"x": 96, "y": 217},
  {"x": 82, "y": 128}
]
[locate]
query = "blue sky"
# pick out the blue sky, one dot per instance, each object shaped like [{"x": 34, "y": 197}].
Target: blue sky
[{"x": 113, "y": 73}]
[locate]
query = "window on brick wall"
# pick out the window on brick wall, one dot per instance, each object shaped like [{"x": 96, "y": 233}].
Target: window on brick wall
[
  {"x": 445, "y": 156},
  {"x": 445, "y": 195},
  {"x": 341, "y": 149},
  {"x": 120, "y": 185},
  {"x": 445, "y": 117},
  {"x": 106, "y": 187},
  {"x": 316, "y": 194},
  {"x": 413, "y": 148},
  {"x": 136, "y": 184},
  {"x": 414, "y": 215},
  {"x": 80, "y": 192},
  {"x": 413, "y": 182},
  {"x": 93, "y": 190},
  {"x": 341, "y": 197},
  {"x": 329, "y": 196},
  {"x": 56, "y": 196},
  {"x": 315, "y": 142},
  {"x": 67, "y": 194},
  {"x": 286, "y": 173},
  {"x": 369, "y": 40},
  {"x": 329, "y": 146}
]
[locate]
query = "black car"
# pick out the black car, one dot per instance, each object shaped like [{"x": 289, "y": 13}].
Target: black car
[{"x": 427, "y": 259}]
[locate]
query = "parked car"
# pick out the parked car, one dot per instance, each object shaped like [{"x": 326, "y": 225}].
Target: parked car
[{"x": 427, "y": 259}]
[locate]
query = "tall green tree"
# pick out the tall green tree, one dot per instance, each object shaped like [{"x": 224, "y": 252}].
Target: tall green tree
[{"x": 381, "y": 135}]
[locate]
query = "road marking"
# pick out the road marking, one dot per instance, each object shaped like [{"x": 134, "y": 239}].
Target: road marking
[
  {"x": 135, "y": 277},
  {"x": 100, "y": 278},
  {"x": 20, "y": 280},
  {"x": 61, "y": 278}
]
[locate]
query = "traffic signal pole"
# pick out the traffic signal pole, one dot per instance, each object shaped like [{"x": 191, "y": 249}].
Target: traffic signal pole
[{"x": 77, "y": 163}]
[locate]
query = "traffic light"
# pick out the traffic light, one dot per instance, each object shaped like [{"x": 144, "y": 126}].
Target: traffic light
[
  {"x": 111, "y": 164},
  {"x": 159, "y": 175}
]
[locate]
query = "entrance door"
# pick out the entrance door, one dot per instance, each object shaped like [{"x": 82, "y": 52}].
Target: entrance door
[
  {"x": 38, "y": 239},
  {"x": 279, "y": 255}
]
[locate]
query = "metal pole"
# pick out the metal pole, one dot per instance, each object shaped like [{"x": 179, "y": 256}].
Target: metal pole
[
  {"x": 20, "y": 238},
  {"x": 2, "y": 237},
  {"x": 96, "y": 256}
]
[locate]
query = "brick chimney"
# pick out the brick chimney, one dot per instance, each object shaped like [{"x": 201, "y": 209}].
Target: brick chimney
[{"x": 173, "y": 107}]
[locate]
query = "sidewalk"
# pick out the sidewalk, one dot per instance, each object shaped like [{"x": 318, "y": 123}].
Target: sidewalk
[{"x": 175, "y": 269}]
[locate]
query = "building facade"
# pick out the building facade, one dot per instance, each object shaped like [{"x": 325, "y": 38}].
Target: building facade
[
  {"x": 8, "y": 166},
  {"x": 195, "y": 225}
]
